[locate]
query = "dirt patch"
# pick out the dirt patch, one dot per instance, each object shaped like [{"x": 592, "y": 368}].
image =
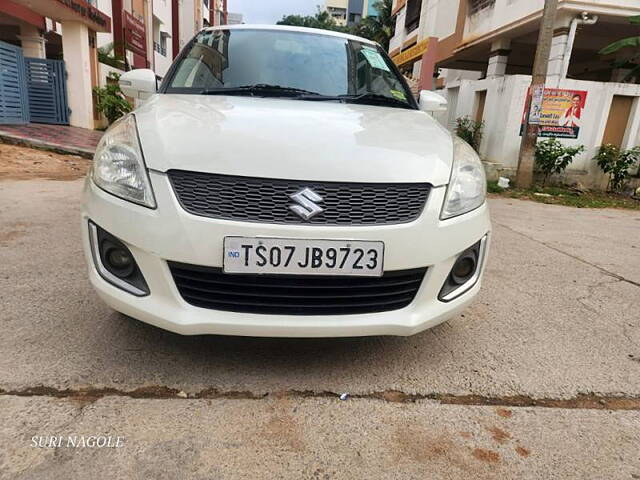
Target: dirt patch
[
  {"x": 419, "y": 446},
  {"x": 282, "y": 428},
  {"x": 499, "y": 435},
  {"x": 22, "y": 163},
  {"x": 523, "y": 452},
  {"x": 9, "y": 236},
  {"x": 504, "y": 412},
  {"x": 12, "y": 232},
  {"x": 487, "y": 456}
]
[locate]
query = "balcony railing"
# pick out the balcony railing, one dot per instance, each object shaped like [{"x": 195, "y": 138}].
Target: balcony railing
[
  {"x": 476, "y": 6},
  {"x": 160, "y": 49}
]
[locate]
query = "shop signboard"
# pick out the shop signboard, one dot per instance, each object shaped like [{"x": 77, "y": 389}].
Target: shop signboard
[{"x": 134, "y": 35}]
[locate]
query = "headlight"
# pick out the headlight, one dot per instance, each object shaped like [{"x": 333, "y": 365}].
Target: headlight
[
  {"x": 468, "y": 185},
  {"x": 118, "y": 167}
]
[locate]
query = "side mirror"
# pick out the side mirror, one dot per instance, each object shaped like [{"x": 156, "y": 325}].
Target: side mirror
[
  {"x": 432, "y": 102},
  {"x": 140, "y": 83}
]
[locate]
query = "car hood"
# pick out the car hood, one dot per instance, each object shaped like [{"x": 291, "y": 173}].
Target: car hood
[{"x": 293, "y": 139}]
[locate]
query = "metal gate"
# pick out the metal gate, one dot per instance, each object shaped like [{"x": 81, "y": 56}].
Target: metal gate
[
  {"x": 14, "y": 107},
  {"x": 47, "y": 91}
]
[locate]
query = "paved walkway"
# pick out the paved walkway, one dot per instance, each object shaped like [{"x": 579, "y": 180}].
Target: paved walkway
[{"x": 58, "y": 138}]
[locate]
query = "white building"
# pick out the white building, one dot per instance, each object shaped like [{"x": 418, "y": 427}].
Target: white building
[
  {"x": 162, "y": 41},
  {"x": 235, "y": 18},
  {"x": 484, "y": 51},
  {"x": 189, "y": 22},
  {"x": 338, "y": 10}
]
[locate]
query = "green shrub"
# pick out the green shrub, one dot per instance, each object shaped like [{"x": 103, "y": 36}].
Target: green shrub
[
  {"x": 553, "y": 157},
  {"x": 108, "y": 56},
  {"x": 470, "y": 131},
  {"x": 616, "y": 163},
  {"x": 493, "y": 187},
  {"x": 110, "y": 99}
]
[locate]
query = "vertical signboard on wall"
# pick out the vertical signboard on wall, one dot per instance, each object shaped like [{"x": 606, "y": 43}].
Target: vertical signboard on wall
[
  {"x": 135, "y": 38},
  {"x": 558, "y": 113}
]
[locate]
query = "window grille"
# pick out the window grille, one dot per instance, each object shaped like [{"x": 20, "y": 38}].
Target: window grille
[{"x": 476, "y": 6}]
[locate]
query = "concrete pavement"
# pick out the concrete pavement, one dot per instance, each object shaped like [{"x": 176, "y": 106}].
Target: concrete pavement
[
  {"x": 317, "y": 438},
  {"x": 557, "y": 325}
]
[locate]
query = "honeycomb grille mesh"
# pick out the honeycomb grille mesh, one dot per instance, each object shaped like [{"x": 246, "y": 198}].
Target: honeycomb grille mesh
[
  {"x": 267, "y": 200},
  {"x": 209, "y": 287}
]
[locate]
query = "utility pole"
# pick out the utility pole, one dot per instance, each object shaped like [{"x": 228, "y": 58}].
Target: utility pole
[{"x": 524, "y": 175}]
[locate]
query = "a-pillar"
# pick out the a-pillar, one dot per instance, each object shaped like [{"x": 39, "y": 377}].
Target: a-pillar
[
  {"x": 76, "y": 53},
  {"x": 498, "y": 58},
  {"x": 32, "y": 41}
]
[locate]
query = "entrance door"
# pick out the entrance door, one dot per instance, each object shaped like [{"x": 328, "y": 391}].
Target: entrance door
[
  {"x": 47, "y": 87},
  {"x": 13, "y": 90},
  {"x": 618, "y": 120}
]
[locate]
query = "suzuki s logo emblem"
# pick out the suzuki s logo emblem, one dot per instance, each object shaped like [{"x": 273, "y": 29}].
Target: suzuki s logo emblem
[{"x": 306, "y": 205}]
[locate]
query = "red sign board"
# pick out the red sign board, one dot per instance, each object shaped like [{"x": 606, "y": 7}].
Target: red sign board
[
  {"x": 101, "y": 21},
  {"x": 134, "y": 35}
]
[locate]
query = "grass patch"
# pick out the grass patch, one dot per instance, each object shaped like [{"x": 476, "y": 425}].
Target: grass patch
[{"x": 568, "y": 197}]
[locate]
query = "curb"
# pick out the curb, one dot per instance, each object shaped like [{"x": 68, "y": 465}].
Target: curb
[{"x": 11, "y": 139}]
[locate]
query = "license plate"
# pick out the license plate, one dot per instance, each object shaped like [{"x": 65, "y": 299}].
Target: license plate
[{"x": 303, "y": 257}]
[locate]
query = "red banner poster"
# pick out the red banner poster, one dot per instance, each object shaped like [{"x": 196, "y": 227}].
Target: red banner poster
[{"x": 560, "y": 113}]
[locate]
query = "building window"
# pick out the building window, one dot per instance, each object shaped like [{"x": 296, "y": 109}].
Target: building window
[
  {"x": 338, "y": 13},
  {"x": 412, "y": 18},
  {"x": 476, "y": 6},
  {"x": 161, "y": 46}
]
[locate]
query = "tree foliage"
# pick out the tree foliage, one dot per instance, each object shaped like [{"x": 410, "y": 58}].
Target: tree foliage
[
  {"x": 629, "y": 48},
  {"x": 108, "y": 56},
  {"x": 377, "y": 28},
  {"x": 322, "y": 20}
]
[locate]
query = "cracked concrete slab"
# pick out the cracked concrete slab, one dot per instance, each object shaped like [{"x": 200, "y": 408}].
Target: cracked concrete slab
[
  {"x": 545, "y": 326},
  {"x": 314, "y": 438},
  {"x": 606, "y": 238}
]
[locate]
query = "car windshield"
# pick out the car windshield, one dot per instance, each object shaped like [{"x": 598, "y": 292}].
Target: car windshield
[{"x": 279, "y": 63}]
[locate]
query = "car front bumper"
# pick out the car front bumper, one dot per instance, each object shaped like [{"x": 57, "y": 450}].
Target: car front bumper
[{"x": 169, "y": 233}]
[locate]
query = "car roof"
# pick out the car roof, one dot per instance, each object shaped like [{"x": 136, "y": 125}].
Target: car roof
[{"x": 289, "y": 28}]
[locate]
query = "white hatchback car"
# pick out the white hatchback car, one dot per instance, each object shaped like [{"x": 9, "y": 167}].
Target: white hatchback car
[{"x": 284, "y": 182}]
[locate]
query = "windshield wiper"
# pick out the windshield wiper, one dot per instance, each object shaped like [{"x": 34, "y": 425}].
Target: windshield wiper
[
  {"x": 259, "y": 89},
  {"x": 375, "y": 99},
  {"x": 364, "y": 98}
]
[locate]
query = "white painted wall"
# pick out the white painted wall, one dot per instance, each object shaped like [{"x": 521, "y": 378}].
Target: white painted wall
[
  {"x": 503, "y": 114},
  {"x": 438, "y": 17},
  {"x": 511, "y": 13},
  {"x": 162, "y": 18},
  {"x": 103, "y": 38}
]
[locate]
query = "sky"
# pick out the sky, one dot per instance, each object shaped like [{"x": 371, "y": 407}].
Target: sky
[{"x": 270, "y": 11}]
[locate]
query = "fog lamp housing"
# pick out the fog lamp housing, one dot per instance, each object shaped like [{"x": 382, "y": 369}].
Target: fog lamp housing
[
  {"x": 465, "y": 271},
  {"x": 115, "y": 262}
]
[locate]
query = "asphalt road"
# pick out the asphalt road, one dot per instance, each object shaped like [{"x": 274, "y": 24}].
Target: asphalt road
[{"x": 539, "y": 378}]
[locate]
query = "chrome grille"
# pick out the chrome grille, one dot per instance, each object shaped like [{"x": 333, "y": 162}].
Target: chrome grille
[
  {"x": 267, "y": 200},
  {"x": 209, "y": 287}
]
